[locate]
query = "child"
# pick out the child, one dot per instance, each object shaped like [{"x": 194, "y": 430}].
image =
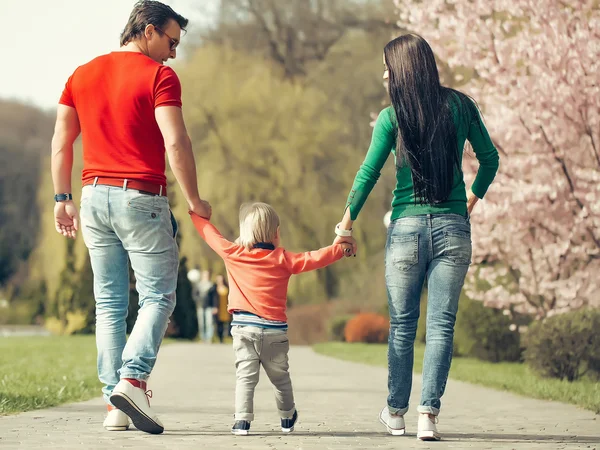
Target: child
[{"x": 259, "y": 271}]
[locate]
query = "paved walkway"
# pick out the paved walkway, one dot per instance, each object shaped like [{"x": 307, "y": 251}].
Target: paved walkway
[{"x": 338, "y": 404}]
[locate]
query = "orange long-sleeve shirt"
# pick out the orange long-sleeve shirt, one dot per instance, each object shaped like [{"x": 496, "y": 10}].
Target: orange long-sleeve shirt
[{"x": 258, "y": 278}]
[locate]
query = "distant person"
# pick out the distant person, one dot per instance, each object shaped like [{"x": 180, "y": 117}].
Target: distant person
[
  {"x": 127, "y": 106},
  {"x": 222, "y": 316},
  {"x": 259, "y": 271},
  {"x": 206, "y": 306},
  {"x": 429, "y": 236}
]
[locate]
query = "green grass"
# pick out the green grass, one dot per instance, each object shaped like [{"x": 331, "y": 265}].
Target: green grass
[
  {"x": 39, "y": 372},
  {"x": 513, "y": 377}
]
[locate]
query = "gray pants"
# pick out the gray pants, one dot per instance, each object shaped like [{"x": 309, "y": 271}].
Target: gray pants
[{"x": 254, "y": 347}]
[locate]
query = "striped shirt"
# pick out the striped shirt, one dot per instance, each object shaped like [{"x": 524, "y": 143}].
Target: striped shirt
[{"x": 246, "y": 319}]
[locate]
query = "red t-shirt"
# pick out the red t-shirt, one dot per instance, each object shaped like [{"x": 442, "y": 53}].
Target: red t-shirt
[{"x": 115, "y": 96}]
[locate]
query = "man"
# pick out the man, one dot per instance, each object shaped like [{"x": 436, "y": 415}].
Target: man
[
  {"x": 127, "y": 105},
  {"x": 206, "y": 306}
]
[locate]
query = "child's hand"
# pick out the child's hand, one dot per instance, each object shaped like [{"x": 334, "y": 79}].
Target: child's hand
[{"x": 347, "y": 249}]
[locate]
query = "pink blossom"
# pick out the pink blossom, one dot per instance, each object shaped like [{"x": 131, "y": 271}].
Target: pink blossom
[{"x": 536, "y": 79}]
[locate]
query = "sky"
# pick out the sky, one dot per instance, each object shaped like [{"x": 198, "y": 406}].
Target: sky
[{"x": 44, "y": 41}]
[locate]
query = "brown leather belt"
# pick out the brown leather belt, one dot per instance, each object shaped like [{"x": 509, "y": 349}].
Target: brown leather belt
[{"x": 143, "y": 187}]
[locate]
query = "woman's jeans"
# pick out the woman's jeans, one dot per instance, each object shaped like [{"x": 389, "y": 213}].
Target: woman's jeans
[
  {"x": 436, "y": 248},
  {"x": 119, "y": 226}
]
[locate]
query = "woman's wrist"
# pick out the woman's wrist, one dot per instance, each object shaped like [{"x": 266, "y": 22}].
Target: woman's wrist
[{"x": 341, "y": 231}]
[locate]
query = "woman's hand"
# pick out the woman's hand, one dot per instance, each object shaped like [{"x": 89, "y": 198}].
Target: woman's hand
[
  {"x": 349, "y": 240},
  {"x": 472, "y": 199}
]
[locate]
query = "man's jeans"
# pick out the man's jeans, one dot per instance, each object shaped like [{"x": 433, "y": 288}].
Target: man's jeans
[
  {"x": 115, "y": 224},
  {"x": 254, "y": 347},
  {"x": 436, "y": 248}
]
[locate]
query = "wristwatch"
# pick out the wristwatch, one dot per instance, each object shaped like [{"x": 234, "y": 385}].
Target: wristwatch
[
  {"x": 62, "y": 197},
  {"x": 341, "y": 232}
]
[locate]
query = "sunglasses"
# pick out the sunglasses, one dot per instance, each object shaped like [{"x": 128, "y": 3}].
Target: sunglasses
[{"x": 174, "y": 42}]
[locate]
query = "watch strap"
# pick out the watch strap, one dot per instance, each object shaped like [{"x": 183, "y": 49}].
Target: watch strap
[{"x": 63, "y": 197}]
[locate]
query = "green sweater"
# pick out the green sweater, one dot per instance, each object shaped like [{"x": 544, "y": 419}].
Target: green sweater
[{"x": 403, "y": 204}]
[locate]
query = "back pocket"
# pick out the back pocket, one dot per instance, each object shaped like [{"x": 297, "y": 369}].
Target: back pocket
[
  {"x": 457, "y": 247},
  {"x": 404, "y": 251},
  {"x": 144, "y": 203}
]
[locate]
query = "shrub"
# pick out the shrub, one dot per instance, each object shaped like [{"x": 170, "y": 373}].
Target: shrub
[
  {"x": 367, "y": 327},
  {"x": 54, "y": 325},
  {"x": 77, "y": 322},
  {"x": 485, "y": 333},
  {"x": 308, "y": 323},
  {"x": 336, "y": 327},
  {"x": 594, "y": 368},
  {"x": 565, "y": 346}
]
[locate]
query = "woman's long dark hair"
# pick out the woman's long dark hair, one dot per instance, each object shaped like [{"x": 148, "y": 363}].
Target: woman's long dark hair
[{"x": 427, "y": 140}]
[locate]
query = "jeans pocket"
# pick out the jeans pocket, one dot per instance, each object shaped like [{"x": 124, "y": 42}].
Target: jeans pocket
[
  {"x": 144, "y": 203},
  {"x": 457, "y": 246},
  {"x": 404, "y": 251},
  {"x": 243, "y": 347},
  {"x": 279, "y": 351}
]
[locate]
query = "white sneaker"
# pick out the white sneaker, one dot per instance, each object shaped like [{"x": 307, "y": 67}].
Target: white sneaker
[
  {"x": 134, "y": 402},
  {"x": 426, "y": 429},
  {"x": 116, "y": 420},
  {"x": 393, "y": 422}
]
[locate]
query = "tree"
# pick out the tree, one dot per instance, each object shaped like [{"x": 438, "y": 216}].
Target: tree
[
  {"x": 24, "y": 135},
  {"x": 536, "y": 70},
  {"x": 84, "y": 300},
  {"x": 295, "y": 32},
  {"x": 261, "y": 137},
  {"x": 74, "y": 306}
]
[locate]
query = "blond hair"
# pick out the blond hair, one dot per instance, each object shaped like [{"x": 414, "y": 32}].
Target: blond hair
[{"x": 258, "y": 223}]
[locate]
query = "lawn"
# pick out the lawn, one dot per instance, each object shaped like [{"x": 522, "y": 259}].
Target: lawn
[
  {"x": 39, "y": 372},
  {"x": 513, "y": 377}
]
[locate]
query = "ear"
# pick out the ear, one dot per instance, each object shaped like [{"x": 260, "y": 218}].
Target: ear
[{"x": 149, "y": 31}]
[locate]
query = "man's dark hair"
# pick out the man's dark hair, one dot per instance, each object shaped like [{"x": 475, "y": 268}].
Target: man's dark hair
[{"x": 149, "y": 12}]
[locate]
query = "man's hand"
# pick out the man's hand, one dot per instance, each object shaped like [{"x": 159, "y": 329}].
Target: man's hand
[
  {"x": 472, "y": 199},
  {"x": 350, "y": 241},
  {"x": 66, "y": 219},
  {"x": 202, "y": 208}
]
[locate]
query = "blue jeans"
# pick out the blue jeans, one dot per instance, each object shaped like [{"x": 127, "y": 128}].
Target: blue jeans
[
  {"x": 436, "y": 248},
  {"x": 206, "y": 323},
  {"x": 118, "y": 225}
]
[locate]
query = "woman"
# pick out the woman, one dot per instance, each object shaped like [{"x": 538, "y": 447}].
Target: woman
[
  {"x": 429, "y": 237},
  {"x": 222, "y": 316}
]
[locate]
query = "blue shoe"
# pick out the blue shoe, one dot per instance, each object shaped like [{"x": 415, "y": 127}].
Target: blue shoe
[
  {"x": 240, "y": 428},
  {"x": 287, "y": 425}
]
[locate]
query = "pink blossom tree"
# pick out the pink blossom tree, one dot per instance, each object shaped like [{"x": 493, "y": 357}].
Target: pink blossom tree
[{"x": 534, "y": 68}]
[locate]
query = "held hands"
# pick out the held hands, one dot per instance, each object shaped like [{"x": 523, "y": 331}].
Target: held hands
[
  {"x": 66, "y": 219},
  {"x": 348, "y": 244},
  {"x": 347, "y": 248},
  {"x": 202, "y": 208}
]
